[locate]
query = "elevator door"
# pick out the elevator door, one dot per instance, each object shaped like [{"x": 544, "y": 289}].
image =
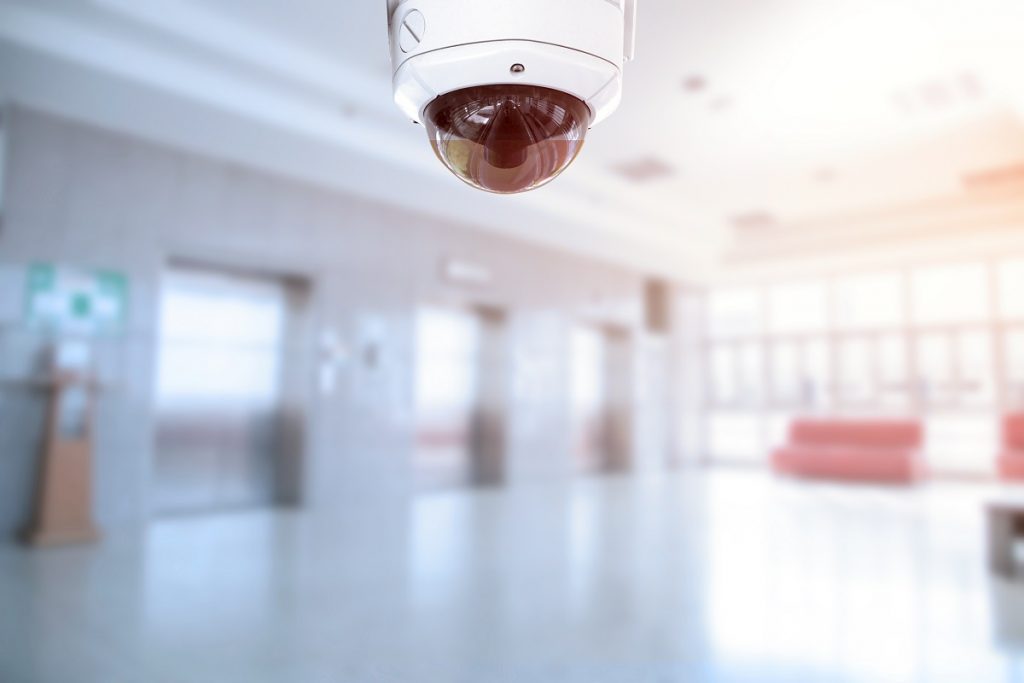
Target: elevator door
[
  {"x": 219, "y": 372},
  {"x": 601, "y": 399},
  {"x": 589, "y": 399},
  {"x": 459, "y": 398}
]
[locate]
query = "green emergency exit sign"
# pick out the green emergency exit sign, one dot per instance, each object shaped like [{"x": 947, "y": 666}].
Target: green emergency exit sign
[{"x": 74, "y": 300}]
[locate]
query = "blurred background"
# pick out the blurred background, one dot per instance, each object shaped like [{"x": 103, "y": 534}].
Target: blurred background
[{"x": 739, "y": 397}]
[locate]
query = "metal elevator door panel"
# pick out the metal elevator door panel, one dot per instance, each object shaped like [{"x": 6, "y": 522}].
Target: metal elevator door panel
[
  {"x": 219, "y": 409},
  {"x": 460, "y": 388},
  {"x": 447, "y": 348},
  {"x": 601, "y": 398},
  {"x": 588, "y": 399}
]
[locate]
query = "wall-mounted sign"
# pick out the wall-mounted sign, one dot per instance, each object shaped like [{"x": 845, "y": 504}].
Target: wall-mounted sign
[
  {"x": 75, "y": 301},
  {"x": 465, "y": 272}
]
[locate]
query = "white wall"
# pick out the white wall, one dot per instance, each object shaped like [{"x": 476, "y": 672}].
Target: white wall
[{"x": 81, "y": 196}]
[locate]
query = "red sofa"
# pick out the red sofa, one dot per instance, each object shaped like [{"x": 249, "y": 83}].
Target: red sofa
[
  {"x": 1011, "y": 462},
  {"x": 860, "y": 450}
]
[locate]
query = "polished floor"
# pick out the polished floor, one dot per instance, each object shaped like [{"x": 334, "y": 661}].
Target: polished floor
[{"x": 724, "y": 576}]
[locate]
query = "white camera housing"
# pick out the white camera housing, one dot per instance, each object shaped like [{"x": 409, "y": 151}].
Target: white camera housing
[{"x": 574, "y": 46}]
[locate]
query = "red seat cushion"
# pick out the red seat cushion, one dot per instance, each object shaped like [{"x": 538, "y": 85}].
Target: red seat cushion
[
  {"x": 862, "y": 433},
  {"x": 849, "y": 463},
  {"x": 864, "y": 450},
  {"x": 1011, "y": 465},
  {"x": 1013, "y": 432}
]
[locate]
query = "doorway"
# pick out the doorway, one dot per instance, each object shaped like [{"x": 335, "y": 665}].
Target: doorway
[
  {"x": 460, "y": 398},
  {"x": 600, "y": 399},
  {"x": 227, "y": 429}
]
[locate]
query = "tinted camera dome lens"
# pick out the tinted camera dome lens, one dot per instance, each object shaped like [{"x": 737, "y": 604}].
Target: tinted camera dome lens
[{"x": 507, "y": 138}]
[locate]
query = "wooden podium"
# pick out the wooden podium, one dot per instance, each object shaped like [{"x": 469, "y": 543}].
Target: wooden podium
[{"x": 63, "y": 505}]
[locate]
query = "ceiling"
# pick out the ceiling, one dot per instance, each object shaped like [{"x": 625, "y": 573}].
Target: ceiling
[{"x": 790, "y": 111}]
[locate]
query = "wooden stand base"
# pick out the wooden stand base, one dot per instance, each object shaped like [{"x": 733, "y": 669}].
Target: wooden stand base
[
  {"x": 43, "y": 539},
  {"x": 63, "y": 509}
]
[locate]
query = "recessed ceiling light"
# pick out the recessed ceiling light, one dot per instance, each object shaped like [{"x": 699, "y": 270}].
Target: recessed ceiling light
[
  {"x": 825, "y": 174},
  {"x": 695, "y": 84},
  {"x": 644, "y": 170},
  {"x": 721, "y": 104},
  {"x": 754, "y": 221}
]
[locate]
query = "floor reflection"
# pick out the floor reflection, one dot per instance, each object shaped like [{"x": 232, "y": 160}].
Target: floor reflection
[{"x": 701, "y": 577}]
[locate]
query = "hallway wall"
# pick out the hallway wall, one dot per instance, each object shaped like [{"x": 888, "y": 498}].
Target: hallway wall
[{"x": 81, "y": 196}]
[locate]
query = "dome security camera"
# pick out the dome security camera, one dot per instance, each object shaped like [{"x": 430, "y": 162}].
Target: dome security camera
[{"x": 507, "y": 89}]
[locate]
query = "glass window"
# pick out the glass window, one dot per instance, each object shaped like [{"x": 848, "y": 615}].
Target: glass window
[
  {"x": 736, "y": 437},
  {"x": 950, "y": 294},
  {"x": 787, "y": 375},
  {"x": 735, "y": 313},
  {"x": 856, "y": 372},
  {"x": 751, "y": 375},
  {"x": 957, "y": 369},
  {"x": 1015, "y": 366},
  {"x": 817, "y": 373},
  {"x": 977, "y": 386},
  {"x": 893, "y": 371},
  {"x": 936, "y": 369},
  {"x": 870, "y": 301},
  {"x": 798, "y": 308},
  {"x": 723, "y": 376},
  {"x": 777, "y": 428},
  {"x": 737, "y": 374},
  {"x": 1011, "y": 289},
  {"x": 800, "y": 373},
  {"x": 961, "y": 443}
]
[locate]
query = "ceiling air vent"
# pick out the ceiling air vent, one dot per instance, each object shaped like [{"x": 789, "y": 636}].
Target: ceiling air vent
[
  {"x": 754, "y": 222},
  {"x": 644, "y": 170}
]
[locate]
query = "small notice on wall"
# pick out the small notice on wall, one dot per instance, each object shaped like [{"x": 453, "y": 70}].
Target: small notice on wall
[{"x": 74, "y": 300}]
